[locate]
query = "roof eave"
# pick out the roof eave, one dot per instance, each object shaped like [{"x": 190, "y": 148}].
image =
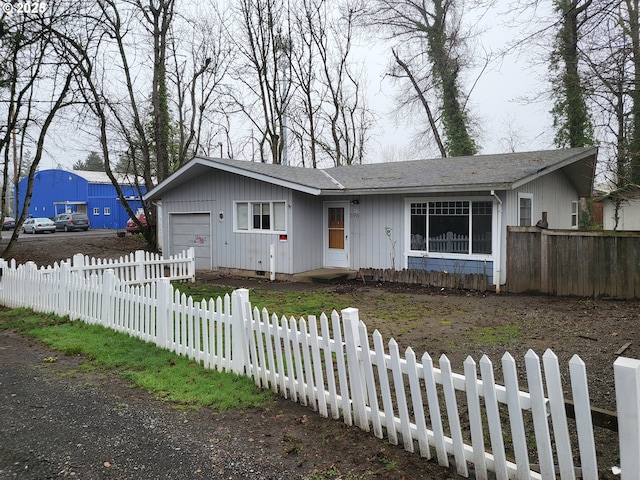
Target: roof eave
[
  {"x": 157, "y": 192},
  {"x": 418, "y": 189},
  {"x": 585, "y": 157}
]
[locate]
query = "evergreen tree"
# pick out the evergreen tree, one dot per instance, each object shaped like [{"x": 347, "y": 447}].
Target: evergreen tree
[{"x": 93, "y": 163}]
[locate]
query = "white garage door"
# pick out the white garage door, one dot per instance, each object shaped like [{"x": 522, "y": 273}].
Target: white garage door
[{"x": 192, "y": 230}]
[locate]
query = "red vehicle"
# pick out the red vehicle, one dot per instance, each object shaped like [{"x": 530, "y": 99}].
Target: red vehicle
[{"x": 131, "y": 225}]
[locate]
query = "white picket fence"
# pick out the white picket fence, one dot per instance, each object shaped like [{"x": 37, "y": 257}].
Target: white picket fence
[
  {"x": 333, "y": 365},
  {"x": 137, "y": 267}
]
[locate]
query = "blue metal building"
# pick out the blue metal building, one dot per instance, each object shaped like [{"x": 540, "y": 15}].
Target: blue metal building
[{"x": 59, "y": 191}]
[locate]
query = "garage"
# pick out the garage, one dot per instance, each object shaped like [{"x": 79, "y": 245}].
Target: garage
[{"x": 192, "y": 230}]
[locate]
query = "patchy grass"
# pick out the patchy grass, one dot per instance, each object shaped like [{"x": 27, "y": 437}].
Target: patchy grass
[
  {"x": 289, "y": 304},
  {"x": 498, "y": 335}
]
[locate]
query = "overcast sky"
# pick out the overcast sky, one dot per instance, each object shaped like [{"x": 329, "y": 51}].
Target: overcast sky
[{"x": 500, "y": 102}]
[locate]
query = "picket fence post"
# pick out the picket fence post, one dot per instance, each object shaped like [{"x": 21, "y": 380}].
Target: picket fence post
[
  {"x": 351, "y": 320},
  {"x": 108, "y": 285},
  {"x": 78, "y": 263},
  {"x": 191, "y": 256},
  {"x": 627, "y": 378},
  {"x": 164, "y": 315},
  {"x": 139, "y": 266},
  {"x": 239, "y": 340},
  {"x": 63, "y": 289}
]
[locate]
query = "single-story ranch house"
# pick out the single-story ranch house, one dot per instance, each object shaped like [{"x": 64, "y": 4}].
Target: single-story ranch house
[
  {"x": 439, "y": 214},
  {"x": 63, "y": 191}
]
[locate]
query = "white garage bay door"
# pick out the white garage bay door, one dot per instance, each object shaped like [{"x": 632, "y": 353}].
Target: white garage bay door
[{"x": 192, "y": 230}]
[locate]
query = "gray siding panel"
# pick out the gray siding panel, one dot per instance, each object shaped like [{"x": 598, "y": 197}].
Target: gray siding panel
[
  {"x": 216, "y": 192},
  {"x": 307, "y": 235},
  {"x": 552, "y": 193},
  {"x": 370, "y": 246}
]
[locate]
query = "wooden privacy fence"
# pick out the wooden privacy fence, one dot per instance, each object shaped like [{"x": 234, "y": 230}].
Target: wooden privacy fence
[
  {"x": 333, "y": 365},
  {"x": 570, "y": 262}
]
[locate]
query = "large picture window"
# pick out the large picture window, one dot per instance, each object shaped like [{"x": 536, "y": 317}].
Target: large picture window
[
  {"x": 459, "y": 226},
  {"x": 260, "y": 217}
]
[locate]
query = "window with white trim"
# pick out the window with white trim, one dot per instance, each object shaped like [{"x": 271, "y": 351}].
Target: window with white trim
[
  {"x": 574, "y": 214},
  {"x": 107, "y": 210},
  {"x": 96, "y": 211},
  {"x": 525, "y": 209},
  {"x": 260, "y": 217},
  {"x": 460, "y": 226}
]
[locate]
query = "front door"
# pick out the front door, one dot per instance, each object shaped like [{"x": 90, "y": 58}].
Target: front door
[{"x": 336, "y": 236}]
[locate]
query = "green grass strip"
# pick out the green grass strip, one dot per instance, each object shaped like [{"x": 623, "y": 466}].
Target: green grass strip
[{"x": 165, "y": 374}]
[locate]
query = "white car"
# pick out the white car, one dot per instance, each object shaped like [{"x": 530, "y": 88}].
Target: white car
[{"x": 38, "y": 225}]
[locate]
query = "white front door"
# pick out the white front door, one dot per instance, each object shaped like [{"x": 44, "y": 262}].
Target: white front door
[{"x": 336, "y": 234}]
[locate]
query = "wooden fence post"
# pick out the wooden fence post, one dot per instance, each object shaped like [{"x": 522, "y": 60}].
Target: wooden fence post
[
  {"x": 351, "y": 320},
  {"x": 164, "y": 298},
  {"x": 544, "y": 262},
  {"x": 627, "y": 377},
  {"x": 239, "y": 340}
]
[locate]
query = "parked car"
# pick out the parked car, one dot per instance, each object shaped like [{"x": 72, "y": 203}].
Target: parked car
[
  {"x": 131, "y": 225},
  {"x": 9, "y": 223},
  {"x": 72, "y": 221},
  {"x": 38, "y": 225}
]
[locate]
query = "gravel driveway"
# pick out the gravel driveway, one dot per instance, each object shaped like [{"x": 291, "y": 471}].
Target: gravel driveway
[{"x": 58, "y": 423}]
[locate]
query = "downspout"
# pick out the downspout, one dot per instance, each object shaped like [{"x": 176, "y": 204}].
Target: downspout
[{"x": 497, "y": 259}]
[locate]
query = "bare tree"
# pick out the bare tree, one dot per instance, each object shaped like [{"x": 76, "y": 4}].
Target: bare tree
[
  {"x": 34, "y": 87},
  {"x": 201, "y": 57},
  {"x": 130, "y": 98},
  {"x": 330, "y": 117},
  {"x": 428, "y": 46},
  {"x": 264, "y": 72}
]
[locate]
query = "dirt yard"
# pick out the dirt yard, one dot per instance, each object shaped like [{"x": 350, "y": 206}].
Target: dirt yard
[{"x": 457, "y": 324}]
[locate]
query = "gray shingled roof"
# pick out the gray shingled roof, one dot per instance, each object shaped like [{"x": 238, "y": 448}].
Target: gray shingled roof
[{"x": 473, "y": 173}]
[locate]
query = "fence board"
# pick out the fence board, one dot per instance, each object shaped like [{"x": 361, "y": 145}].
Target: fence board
[
  {"x": 570, "y": 262},
  {"x": 539, "y": 412},
  {"x": 558, "y": 415}
]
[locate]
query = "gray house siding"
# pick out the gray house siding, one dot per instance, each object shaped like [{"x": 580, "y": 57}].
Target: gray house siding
[
  {"x": 369, "y": 217},
  {"x": 216, "y": 192},
  {"x": 552, "y": 193},
  {"x": 306, "y": 234}
]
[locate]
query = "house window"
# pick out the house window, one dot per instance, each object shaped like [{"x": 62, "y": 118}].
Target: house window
[
  {"x": 260, "y": 217},
  {"x": 107, "y": 210},
  {"x": 461, "y": 226},
  {"x": 96, "y": 211},
  {"x": 574, "y": 214},
  {"x": 525, "y": 208}
]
